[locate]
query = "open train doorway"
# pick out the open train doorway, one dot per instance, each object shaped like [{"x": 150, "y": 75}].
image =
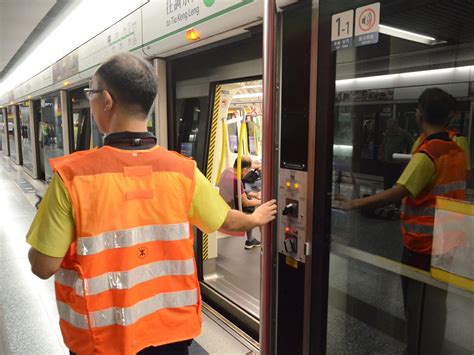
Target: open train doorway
[{"x": 231, "y": 262}]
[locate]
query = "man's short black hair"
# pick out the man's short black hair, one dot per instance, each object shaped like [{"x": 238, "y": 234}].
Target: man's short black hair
[
  {"x": 245, "y": 163},
  {"x": 435, "y": 105},
  {"x": 130, "y": 80}
]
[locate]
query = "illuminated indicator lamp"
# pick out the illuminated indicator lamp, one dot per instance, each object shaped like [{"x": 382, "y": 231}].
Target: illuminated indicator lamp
[
  {"x": 287, "y": 229},
  {"x": 66, "y": 83},
  {"x": 288, "y": 184},
  {"x": 297, "y": 186},
  {"x": 193, "y": 35}
]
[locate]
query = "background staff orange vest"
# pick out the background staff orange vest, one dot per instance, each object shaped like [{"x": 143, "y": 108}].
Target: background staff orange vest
[
  {"x": 418, "y": 214},
  {"x": 129, "y": 278}
]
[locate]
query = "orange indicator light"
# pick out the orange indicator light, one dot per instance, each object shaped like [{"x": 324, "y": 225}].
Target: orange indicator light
[{"x": 193, "y": 34}]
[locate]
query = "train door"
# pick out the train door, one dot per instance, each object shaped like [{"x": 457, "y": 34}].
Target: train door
[
  {"x": 51, "y": 131},
  {"x": 28, "y": 131},
  {"x": 36, "y": 104},
  {"x": 374, "y": 289},
  {"x": 79, "y": 119},
  {"x": 13, "y": 126},
  {"x": 232, "y": 261},
  {"x": 3, "y": 132},
  {"x": 214, "y": 111}
]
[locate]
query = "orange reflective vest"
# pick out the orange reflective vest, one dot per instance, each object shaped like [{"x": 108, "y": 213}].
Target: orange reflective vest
[
  {"x": 418, "y": 214},
  {"x": 128, "y": 281}
]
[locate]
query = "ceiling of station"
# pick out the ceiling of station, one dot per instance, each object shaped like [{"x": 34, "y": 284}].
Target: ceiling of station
[{"x": 18, "y": 19}]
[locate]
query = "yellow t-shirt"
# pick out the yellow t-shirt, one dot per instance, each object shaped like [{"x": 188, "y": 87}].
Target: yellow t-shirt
[
  {"x": 421, "y": 171},
  {"x": 52, "y": 230}
]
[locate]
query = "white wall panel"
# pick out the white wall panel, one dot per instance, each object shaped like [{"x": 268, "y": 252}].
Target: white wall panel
[{"x": 168, "y": 33}]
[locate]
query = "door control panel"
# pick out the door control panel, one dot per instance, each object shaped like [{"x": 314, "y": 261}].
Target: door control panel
[{"x": 292, "y": 202}]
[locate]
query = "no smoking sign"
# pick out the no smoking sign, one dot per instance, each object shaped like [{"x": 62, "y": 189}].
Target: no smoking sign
[
  {"x": 347, "y": 31},
  {"x": 367, "y": 21}
]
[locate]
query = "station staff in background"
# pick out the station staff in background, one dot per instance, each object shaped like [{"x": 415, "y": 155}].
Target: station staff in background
[
  {"x": 437, "y": 168},
  {"x": 458, "y": 138},
  {"x": 114, "y": 227}
]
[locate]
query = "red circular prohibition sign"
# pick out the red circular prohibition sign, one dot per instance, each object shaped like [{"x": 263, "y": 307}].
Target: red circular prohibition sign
[{"x": 372, "y": 18}]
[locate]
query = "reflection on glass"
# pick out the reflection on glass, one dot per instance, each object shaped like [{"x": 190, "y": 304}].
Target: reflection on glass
[
  {"x": 26, "y": 139},
  {"x": 51, "y": 131},
  {"x": 81, "y": 119},
  {"x": 11, "y": 131},
  {"x": 394, "y": 140},
  {"x": 233, "y": 268}
]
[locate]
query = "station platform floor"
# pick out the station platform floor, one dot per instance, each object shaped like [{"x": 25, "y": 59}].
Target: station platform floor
[{"x": 29, "y": 322}]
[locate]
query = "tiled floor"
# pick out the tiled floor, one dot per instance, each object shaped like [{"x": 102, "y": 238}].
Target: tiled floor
[{"x": 28, "y": 315}]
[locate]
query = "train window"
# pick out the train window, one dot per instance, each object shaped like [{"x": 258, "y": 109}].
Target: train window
[
  {"x": 97, "y": 139},
  {"x": 25, "y": 134},
  {"x": 391, "y": 288},
  {"x": 188, "y": 112},
  {"x": 81, "y": 120},
  {"x": 231, "y": 261},
  {"x": 51, "y": 131},
  {"x": 233, "y": 137},
  {"x": 151, "y": 123}
]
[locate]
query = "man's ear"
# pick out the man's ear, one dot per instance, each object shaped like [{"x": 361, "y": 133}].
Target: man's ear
[{"x": 108, "y": 101}]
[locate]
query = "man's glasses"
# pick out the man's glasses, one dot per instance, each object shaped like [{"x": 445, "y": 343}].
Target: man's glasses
[{"x": 89, "y": 92}]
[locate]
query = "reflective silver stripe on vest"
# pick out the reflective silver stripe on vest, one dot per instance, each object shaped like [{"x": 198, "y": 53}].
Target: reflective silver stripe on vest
[
  {"x": 129, "y": 315},
  {"x": 67, "y": 314},
  {"x": 129, "y": 237},
  {"x": 128, "y": 279},
  {"x": 447, "y": 188},
  {"x": 418, "y": 228},
  {"x": 418, "y": 211},
  {"x": 71, "y": 279},
  {"x": 124, "y": 279}
]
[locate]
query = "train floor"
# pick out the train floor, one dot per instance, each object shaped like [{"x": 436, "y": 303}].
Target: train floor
[{"x": 29, "y": 323}]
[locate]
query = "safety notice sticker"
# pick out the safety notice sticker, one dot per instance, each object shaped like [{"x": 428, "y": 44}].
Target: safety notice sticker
[
  {"x": 342, "y": 30},
  {"x": 367, "y": 19}
]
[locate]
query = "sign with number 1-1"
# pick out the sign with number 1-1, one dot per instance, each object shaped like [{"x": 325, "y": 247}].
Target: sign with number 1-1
[{"x": 342, "y": 30}]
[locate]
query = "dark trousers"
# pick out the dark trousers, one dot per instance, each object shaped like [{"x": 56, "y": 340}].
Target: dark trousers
[
  {"x": 180, "y": 348},
  {"x": 425, "y": 309}
]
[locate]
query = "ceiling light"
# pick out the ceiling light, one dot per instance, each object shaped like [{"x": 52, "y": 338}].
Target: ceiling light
[
  {"x": 242, "y": 96},
  {"x": 410, "y": 36},
  {"x": 252, "y": 86}
]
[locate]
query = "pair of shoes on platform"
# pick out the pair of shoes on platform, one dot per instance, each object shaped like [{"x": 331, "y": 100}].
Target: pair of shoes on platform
[{"x": 251, "y": 244}]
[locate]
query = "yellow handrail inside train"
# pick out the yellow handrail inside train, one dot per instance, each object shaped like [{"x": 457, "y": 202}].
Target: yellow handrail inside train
[
  {"x": 246, "y": 144},
  {"x": 255, "y": 141},
  {"x": 240, "y": 150},
  {"x": 223, "y": 151},
  {"x": 239, "y": 163}
]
